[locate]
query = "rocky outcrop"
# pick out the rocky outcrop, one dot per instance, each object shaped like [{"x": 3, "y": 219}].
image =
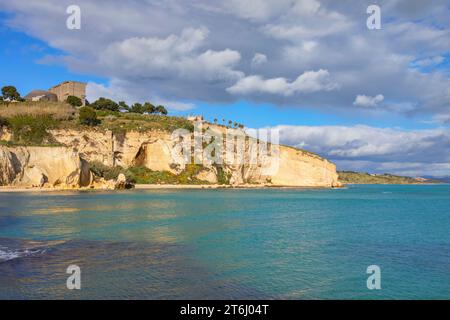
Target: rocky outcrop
[
  {"x": 300, "y": 168},
  {"x": 39, "y": 166},
  {"x": 5, "y": 134},
  {"x": 8, "y": 167}
]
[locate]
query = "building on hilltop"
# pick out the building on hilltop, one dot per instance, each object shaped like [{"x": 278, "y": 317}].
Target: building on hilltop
[
  {"x": 41, "y": 95},
  {"x": 60, "y": 92},
  {"x": 70, "y": 88}
]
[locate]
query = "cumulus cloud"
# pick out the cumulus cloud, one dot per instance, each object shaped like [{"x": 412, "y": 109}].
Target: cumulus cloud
[
  {"x": 414, "y": 152},
  {"x": 431, "y": 61},
  {"x": 123, "y": 91},
  {"x": 308, "y": 82},
  {"x": 204, "y": 50},
  {"x": 368, "y": 101},
  {"x": 259, "y": 59},
  {"x": 307, "y": 19},
  {"x": 173, "y": 56},
  {"x": 443, "y": 118}
]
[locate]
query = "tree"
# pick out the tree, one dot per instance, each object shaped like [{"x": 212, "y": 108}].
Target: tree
[
  {"x": 215, "y": 121},
  {"x": 105, "y": 104},
  {"x": 10, "y": 93},
  {"x": 88, "y": 117},
  {"x": 161, "y": 110},
  {"x": 149, "y": 108},
  {"x": 137, "y": 108},
  {"x": 74, "y": 101},
  {"x": 123, "y": 106}
]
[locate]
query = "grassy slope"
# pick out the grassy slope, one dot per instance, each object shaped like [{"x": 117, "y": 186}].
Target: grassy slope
[
  {"x": 30, "y": 121},
  {"x": 349, "y": 177}
]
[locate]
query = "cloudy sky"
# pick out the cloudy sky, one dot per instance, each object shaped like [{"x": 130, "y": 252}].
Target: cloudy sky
[{"x": 370, "y": 100}]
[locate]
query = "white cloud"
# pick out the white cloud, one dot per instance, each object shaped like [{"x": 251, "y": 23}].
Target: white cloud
[
  {"x": 368, "y": 101},
  {"x": 256, "y": 10},
  {"x": 196, "y": 50},
  {"x": 259, "y": 59},
  {"x": 172, "y": 56},
  {"x": 307, "y": 19},
  {"x": 374, "y": 149},
  {"x": 120, "y": 91},
  {"x": 433, "y": 61},
  {"x": 308, "y": 82},
  {"x": 443, "y": 118}
]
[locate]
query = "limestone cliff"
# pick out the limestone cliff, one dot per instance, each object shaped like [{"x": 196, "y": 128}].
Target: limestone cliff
[
  {"x": 152, "y": 149},
  {"x": 39, "y": 166}
]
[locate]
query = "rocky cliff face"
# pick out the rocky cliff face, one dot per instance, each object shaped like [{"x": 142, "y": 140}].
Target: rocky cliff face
[
  {"x": 67, "y": 165},
  {"x": 39, "y": 166}
]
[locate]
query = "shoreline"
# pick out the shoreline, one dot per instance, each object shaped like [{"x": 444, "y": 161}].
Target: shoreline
[
  {"x": 12, "y": 189},
  {"x": 138, "y": 187}
]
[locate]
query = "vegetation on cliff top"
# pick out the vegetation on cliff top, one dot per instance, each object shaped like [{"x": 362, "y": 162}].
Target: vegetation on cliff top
[
  {"x": 350, "y": 177},
  {"x": 29, "y": 122}
]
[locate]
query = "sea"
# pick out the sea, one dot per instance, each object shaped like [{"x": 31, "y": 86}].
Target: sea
[{"x": 227, "y": 244}]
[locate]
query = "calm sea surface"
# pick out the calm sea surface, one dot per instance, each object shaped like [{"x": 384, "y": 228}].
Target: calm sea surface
[{"x": 226, "y": 244}]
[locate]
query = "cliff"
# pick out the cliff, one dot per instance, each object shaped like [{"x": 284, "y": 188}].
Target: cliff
[
  {"x": 38, "y": 166},
  {"x": 68, "y": 166}
]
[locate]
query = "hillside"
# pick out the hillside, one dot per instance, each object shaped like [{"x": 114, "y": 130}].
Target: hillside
[{"x": 350, "y": 177}]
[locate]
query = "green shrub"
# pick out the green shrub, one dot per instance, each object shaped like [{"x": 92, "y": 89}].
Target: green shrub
[
  {"x": 104, "y": 171},
  {"x": 4, "y": 122},
  {"x": 88, "y": 117},
  {"x": 222, "y": 176},
  {"x": 143, "y": 175},
  {"x": 123, "y": 106},
  {"x": 32, "y": 130},
  {"x": 105, "y": 104},
  {"x": 161, "y": 110},
  {"x": 11, "y": 93},
  {"x": 74, "y": 101},
  {"x": 138, "y": 122}
]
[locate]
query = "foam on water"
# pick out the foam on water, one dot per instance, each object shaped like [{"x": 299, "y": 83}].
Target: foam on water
[{"x": 7, "y": 255}]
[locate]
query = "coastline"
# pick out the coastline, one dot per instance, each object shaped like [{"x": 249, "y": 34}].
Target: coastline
[{"x": 12, "y": 189}]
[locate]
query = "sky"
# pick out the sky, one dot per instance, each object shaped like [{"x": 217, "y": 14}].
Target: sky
[{"x": 369, "y": 100}]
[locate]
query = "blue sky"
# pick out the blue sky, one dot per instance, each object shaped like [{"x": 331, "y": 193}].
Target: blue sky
[
  {"x": 371, "y": 100},
  {"x": 22, "y": 67}
]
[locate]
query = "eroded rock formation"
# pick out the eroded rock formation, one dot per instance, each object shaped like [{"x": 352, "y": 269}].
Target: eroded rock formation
[
  {"x": 39, "y": 166},
  {"x": 67, "y": 166}
]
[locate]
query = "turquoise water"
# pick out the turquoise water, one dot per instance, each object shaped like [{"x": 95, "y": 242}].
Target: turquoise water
[{"x": 228, "y": 244}]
